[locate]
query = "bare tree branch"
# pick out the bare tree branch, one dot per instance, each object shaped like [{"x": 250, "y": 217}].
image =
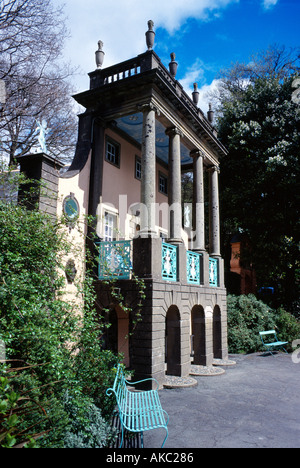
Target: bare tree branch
[{"x": 32, "y": 35}]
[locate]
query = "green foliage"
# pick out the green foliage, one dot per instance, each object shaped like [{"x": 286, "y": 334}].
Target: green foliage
[
  {"x": 86, "y": 428},
  {"x": 16, "y": 410},
  {"x": 247, "y": 316},
  {"x": 41, "y": 331},
  {"x": 259, "y": 190},
  {"x": 35, "y": 323},
  {"x": 288, "y": 327}
]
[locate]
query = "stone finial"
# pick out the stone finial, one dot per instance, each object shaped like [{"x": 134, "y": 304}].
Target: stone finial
[
  {"x": 150, "y": 35},
  {"x": 196, "y": 94},
  {"x": 210, "y": 114},
  {"x": 173, "y": 65},
  {"x": 100, "y": 55}
]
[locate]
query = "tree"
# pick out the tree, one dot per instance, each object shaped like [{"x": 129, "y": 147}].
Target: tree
[
  {"x": 32, "y": 35},
  {"x": 259, "y": 124}
]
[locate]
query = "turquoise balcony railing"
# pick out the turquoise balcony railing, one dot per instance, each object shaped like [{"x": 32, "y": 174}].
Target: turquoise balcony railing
[
  {"x": 213, "y": 272},
  {"x": 193, "y": 268},
  {"x": 169, "y": 262},
  {"x": 115, "y": 260}
]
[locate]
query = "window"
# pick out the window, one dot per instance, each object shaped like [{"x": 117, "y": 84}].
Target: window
[
  {"x": 110, "y": 227},
  {"x": 112, "y": 152},
  {"x": 138, "y": 168},
  {"x": 163, "y": 184}
]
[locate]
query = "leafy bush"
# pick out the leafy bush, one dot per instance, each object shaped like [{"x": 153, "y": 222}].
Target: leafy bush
[
  {"x": 288, "y": 327},
  {"x": 38, "y": 328},
  {"x": 86, "y": 428},
  {"x": 247, "y": 316}
]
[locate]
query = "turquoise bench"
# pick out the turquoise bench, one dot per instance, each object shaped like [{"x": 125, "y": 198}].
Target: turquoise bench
[
  {"x": 274, "y": 343},
  {"x": 139, "y": 411}
]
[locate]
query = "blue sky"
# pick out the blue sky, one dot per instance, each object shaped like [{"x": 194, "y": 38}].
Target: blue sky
[{"x": 206, "y": 35}]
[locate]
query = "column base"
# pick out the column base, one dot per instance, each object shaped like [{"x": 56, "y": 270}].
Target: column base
[
  {"x": 147, "y": 234},
  {"x": 175, "y": 241}
]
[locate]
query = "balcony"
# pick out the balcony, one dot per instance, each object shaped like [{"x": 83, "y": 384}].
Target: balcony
[{"x": 116, "y": 263}]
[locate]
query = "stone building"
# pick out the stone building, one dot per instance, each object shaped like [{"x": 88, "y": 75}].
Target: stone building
[{"x": 139, "y": 133}]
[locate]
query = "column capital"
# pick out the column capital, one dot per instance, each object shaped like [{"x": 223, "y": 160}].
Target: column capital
[
  {"x": 213, "y": 169},
  {"x": 147, "y": 107},
  {"x": 197, "y": 153},
  {"x": 173, "y": 131}
]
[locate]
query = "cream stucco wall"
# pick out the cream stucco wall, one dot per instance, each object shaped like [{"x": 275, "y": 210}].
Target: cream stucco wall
[{"x": 75, "y": 235}]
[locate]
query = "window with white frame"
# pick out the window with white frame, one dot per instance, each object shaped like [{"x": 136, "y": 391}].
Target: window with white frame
[
  {"x": 112, "y": 152},
  {"x": 110, "y": 227}
]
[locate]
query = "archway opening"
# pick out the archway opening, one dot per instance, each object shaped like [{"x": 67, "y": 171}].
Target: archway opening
[
  {"x": 217, "y": 333},
  {"x": 198, "y": 338},
  {"x": 117, "y": 335},
  {"x": 173, "y": 342}
]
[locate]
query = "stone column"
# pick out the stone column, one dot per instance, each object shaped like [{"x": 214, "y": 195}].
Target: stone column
[
  {"x": 148, "y": 184},
  {"x": 198, "y": 201},
  {"x": 214, "y": 224},
  {"x": 174, "y": 190}
]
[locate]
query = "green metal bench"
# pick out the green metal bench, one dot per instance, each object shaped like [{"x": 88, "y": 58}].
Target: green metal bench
[
  {"x": 139, "y": 411},
  {"x": 275, "y": 344}
]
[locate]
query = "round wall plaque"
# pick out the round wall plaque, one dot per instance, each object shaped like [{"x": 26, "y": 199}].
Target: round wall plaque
[{"x": 71, "y": 208}]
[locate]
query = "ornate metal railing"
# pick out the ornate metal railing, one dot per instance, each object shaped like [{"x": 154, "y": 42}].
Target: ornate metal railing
[
  {"x": 193, "y": 267},
  {"x": 169, "y": 262},
  {"x": 115, "y": 260},
  {"x": 214, "y": 272}
]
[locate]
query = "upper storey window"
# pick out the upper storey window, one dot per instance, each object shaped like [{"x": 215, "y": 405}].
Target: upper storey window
[
  {"x": 163, "y": 184},
  {"x": 112, "y": 152},
  {"x": 138, "y": 168}
]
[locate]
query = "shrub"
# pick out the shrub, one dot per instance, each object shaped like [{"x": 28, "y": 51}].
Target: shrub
[
  {"x": 37, "y": 327},
  {"x": 247, "y": 316},
  {"x": 86, "y": 428},
  {"x": 288, "y": 327}
]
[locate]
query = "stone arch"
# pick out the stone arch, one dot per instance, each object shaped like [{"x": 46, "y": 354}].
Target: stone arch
[
  {"x": 198, "y": 335},
  {"x": 217, "y": 333},
  {"x": 117, "y": 335},
  {"x": 173, "y": 341}
]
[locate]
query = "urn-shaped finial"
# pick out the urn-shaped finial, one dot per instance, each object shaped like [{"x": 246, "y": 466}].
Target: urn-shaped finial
[
  {"x": 196, "y": 94},
  {"x": 99, "y": 55},
  {"x": 173, "y": 65},
  {"x": 210, "y": 114},
  {"x": 150, "y": 35}
]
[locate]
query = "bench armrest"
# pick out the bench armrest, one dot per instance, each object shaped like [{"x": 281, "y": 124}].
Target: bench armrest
[
  {"x": 142, "y": 381},
  {"x": 110, "y": 391}
]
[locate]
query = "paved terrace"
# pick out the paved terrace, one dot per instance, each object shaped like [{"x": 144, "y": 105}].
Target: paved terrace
[{"x": 254, "y": 404}]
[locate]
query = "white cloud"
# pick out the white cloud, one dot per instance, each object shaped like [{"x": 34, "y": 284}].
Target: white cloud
[
  {"x": 267, "y": 4},
  {"x": 121, "y": 25},
  {"x": 196, "y": 74}
]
